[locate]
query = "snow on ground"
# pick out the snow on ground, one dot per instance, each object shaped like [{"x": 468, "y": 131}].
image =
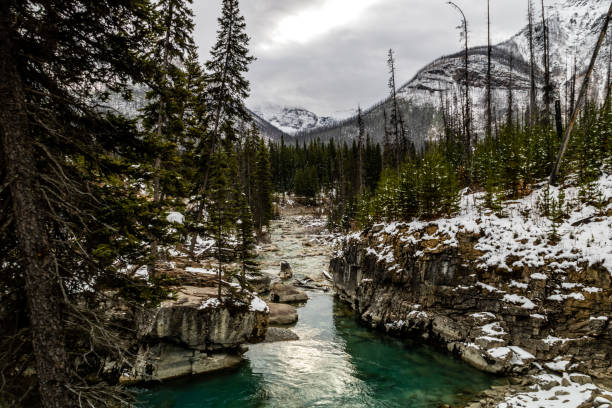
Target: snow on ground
[
  {"x": 258, "y": 305},
  {"x": 564, "y": 393},
  {"x": 522, "y": 236},
  {"x": 201, "y": 270},
  {"x": 174, "y": 217}
]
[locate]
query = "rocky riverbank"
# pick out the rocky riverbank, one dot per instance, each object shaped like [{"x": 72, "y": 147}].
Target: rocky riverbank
[
  {"x": 193, "y": 333},
  {"x": 499, "y": 293}
]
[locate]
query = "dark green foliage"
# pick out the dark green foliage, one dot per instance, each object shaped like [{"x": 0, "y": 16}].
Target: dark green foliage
[
  {"x": 227, "y": 88},
  {"x": 262, "y": 189}
]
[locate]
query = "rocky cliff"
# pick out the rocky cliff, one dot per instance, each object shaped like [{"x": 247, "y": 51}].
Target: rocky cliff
[
  {"x": 497, "y": 291},
  {"x": 194, "y": 333}
]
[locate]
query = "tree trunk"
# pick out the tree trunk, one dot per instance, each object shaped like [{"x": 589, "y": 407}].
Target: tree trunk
[
  {"x": 41, "y": 281},
  {"x": 532, "y": 68},
  {"x": 489, "y": 50},
  {"x": 547, "y": 84},
  {"x": 581, "y": 97},
  {"x": 157, "y": 193}
]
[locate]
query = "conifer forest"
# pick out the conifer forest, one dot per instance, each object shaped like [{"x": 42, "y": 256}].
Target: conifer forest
[{"x": 164, "y": 243}]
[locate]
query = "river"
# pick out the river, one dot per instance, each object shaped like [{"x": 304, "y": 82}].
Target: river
[{"x": 337, "y": 362}]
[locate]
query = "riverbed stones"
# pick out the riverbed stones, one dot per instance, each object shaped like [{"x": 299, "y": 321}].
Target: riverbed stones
[
  {"x": 277, "y": 334},
  {"x": 282, "y": 314},
  {"x": 282, "y": 293},
  {"x": 286, "y": 272}
]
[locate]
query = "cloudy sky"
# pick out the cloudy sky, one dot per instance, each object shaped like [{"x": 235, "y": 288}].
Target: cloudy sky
[{"x": 328, "y": 56}]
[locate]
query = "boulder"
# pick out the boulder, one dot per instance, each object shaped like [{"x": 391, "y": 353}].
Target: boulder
[
  {"x": 276, "y": 334},
  {"x": 260, "y": 282},
  {"x": 195, "y": 333},
  {"x": 196, "y": 320},
  {"x": 282, "y": 293},
  {"x": 282, "y": 314},
  {"x": 285, "y": 273}
]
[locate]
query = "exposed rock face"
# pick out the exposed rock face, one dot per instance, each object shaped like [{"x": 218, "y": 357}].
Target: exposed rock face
[
  {"x": 497, "y": 320},
  {"x": 282, "y": 314},
  {"x": 287, "y": 294},
  {"x": 285, "y": 273},
  {"x": 195, "y": 334},
  {"x": 164, "y": 361}
]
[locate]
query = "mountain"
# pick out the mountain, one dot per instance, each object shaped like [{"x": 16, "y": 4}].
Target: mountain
[
  {"x": 574, "y": 26},
  {"x": 292, "y": 120},
  {"x": 269, "y": 131}
]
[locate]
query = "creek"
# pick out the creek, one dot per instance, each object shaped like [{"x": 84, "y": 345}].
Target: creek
[{"x": 337, "y": 362}]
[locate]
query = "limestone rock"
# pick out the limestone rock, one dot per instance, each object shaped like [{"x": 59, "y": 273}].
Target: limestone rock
[
  {"x": 281, "y": 293},
  {"x": 282, "y": 314},
  {"x": 196, "y": 321},
  {"x": 427, "y": 284}
]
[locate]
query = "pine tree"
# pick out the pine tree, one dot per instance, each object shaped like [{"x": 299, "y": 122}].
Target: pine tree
[
  {"x": 60, "y": 152},
  {"x": 262, "y": 210},
  {"x": 163, "y": 116},
  {"x": 227, "y": 85},
  {"x": 221, "y": 215}
]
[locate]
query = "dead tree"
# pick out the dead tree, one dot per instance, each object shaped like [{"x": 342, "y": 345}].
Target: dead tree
[
  {"x": 547, "y": 83},
  {"x": 489, "y": 51},
  {"x": 583, "y": 91},
  {"x": 463, "y": 27},
  {"x": 532, "y": 67}
]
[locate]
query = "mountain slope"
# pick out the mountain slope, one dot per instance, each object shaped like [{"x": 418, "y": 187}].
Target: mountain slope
[
  {"x": 292, "y": 120},
  {"x": 574, "y": 26}
]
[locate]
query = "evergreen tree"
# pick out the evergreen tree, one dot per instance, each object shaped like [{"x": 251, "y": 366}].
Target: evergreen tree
[
  {"x": 226, "y": 82},
  {"x": 262, "y": 209},
  {"x": 163, "y": 116},
  {"x": 59, "y": 207},
  {"x": 221, "y": 215}
]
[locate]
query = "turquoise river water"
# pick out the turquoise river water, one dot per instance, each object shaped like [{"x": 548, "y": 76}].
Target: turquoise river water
[{"x": 336, "y": 363}]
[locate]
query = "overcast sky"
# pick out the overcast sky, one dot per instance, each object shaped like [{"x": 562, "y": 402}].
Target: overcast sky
[{"x": 328, "y": 56}]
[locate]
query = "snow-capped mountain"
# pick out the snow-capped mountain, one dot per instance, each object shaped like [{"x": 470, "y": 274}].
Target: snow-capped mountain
[
  {"x": 573, "y": 25},
  {"x": 292, "y": 120}
]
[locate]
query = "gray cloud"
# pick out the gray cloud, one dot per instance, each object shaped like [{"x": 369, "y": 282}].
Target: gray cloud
[{"x": 346, "y": 65}]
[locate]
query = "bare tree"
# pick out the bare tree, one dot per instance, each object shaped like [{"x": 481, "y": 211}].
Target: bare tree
[
  {"x": 547, "y": 83},
  {"x": 583, "y": 91},
  {"x": 489, "y": 49},
  {"x": 463, "y": 27},
  {"x": 532, "y": 69},
  {"x": 360, "y": 140},
  {"x": 396, "y": 114}
]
